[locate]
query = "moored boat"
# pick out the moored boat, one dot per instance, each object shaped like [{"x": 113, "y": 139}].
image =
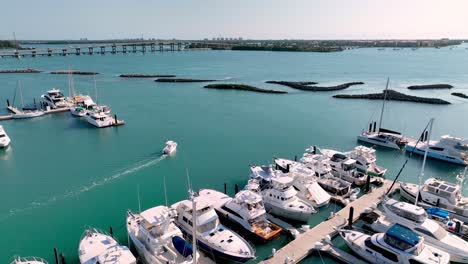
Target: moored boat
[
  {"x": 4, "y": 138},
  {"x": 448, "y": 148}
]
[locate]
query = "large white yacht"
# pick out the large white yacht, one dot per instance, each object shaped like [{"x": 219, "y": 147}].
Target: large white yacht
[
  {"x": 344, "y": 167},
  {"x": 97, "y": 247},
  {"x": 305, "y": 182},
  {"x": 398, "y": 245},
  {"x": 29, "y": 260},
  {"x": 4, "y": 138},
  {"x": 157, "y": 239},
  {"x": 438, "y": 193},
  {"x": 212, "y": 237},
  {"x": 82, "y": 104},
  {"x": 55, "y": 99},
  {"x": 366, "y": 161},
  {"x": 99, "y": 119},
  {"x": 448, "y": 148},
  {"x": 246, "y": 210},
  {"x": 415, "y": 218},
  {"x": 281, "y": 199}
]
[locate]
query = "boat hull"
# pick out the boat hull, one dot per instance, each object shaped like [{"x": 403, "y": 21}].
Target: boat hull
[
  {"x": 419, "y": 151},
  {"x": 373, "y": 141},
  {"x": 293, "y": 215},
  {"x": 27, "y": 115}
]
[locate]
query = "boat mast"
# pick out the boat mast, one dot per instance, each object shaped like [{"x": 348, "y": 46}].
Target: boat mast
[
  {"x": 95, "y": 90},
  {"x": 383, "y": 105},
  {"x": 421, "y": 174}
]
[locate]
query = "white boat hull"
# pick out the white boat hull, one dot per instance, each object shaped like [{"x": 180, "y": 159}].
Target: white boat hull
[
  {"x": 370, "y": 140},
  {"x": 23, "y": 115},
  {"x": 450, "y": 159},
  {"x": 300, "y": 216}
]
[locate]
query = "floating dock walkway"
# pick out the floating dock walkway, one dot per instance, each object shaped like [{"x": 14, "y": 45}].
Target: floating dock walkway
[
  {"x": 15, "y": 110},
  {"x": 305, "y": 243}
]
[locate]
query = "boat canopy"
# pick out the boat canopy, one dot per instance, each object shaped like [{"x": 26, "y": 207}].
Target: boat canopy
[
  {"x": 437, "y": 212},
  {"x": 401, "y": 237},
  {"x": 182, "y": 246}
]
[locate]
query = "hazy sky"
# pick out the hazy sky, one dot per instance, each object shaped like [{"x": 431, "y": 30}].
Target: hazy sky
[{"x": 261, "y": 19}]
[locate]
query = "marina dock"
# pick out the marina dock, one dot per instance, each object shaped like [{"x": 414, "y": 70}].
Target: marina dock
[
  {"x": 15, "y": 110},
  {"x": 305, "y": 243}
]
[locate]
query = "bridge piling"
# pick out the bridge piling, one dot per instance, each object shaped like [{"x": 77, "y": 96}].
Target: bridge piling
[
  {"x": 90, "y": 50},
  {"x": 152, "y": 47},
  {"x": 77, "y": 51},
  {"x": 103, "y": 50},
  {"x": 114, "y": 49},
  {"x": 134, "y": 48},
  {"x": 124, "y": 48},
  {"x": 161, "y": 47},
  {"x": 143, "y": 48}
]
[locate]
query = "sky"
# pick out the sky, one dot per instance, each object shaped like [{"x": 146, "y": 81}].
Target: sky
[{"x": 250, "y": 19}]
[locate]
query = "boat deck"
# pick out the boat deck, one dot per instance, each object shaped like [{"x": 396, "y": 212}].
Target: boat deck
[{"x": 305, "y": 243}]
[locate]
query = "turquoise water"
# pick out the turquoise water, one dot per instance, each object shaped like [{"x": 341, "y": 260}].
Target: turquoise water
[{"x": 61, "y": 175}]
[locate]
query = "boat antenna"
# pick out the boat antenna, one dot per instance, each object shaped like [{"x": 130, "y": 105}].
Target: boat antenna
[
  {"x": 165, "y": 191},
  {"x": 138, "y": 193},
  {"x": 406, "y": 161},
  {"x": 383, "y": 104},
  {"x": 421, "y": 174}
]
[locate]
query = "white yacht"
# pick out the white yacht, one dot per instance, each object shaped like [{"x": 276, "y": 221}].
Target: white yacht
[
  {"x": 170, "y": 148},
  {"x": 415, "y": 218},
  {"x": 450, "y": 224},
  {"x": 344, "y": 167},
  {"x": 246, "y": 210},
  {"x": 55, "y": 99},
  {"x": 99, "y": 119},
  {"x": 438, "y": 193},
  {"x": 305, "y": 182},
  {"x": 157, "y": 239},
  {"x": 81, "y": 105},
  {"x": 448, "y": 148},
  {"x": 366, "y": 161},
  {"x": 4, "y": 138},
  {"x": 29, "y": 260},
  {"x": 97, "y": 247},
  {"x": 212, "y": 237},
  {"x": 280, "y": 198},
  {"x": 398, "y": 245},
  {"x": 380, "y": 136}
]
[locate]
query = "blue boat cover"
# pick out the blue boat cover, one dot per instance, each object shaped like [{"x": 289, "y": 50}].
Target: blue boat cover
[
  {"x": 437, "y": 212},
  {"x": 182, "y": 246},
  {"x": 403, "y": 234}
]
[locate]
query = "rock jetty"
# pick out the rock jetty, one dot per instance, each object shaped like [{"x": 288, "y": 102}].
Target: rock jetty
[
  {"x": 306, "y": 86},
  {"x": 175, "y": 80},
  {"x": 74, "y": 72},
  {"x": 27, "y": 70},
  {"x": 430, "y": 86},
  {"x": 242, "y": 87},
  {"x": 394, "y": 96},
  {"x": 461, "y": 95},
  {"x": 142, "y": 75}
]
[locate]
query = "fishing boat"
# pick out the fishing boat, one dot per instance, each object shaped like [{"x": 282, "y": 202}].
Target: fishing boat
[
  {"x": 156, "y": 238},
  {"x": 29, "y": 260},
  {"x": 305, "y": 182},
  {"x": 398, "y": 244},
  {"x": 415, "y": 218},
  {"x": 281, "y": 199},
  {"x": 380, "y": 136},
  {"x": 450, "y": 224},
  {"x": 344, "y": 167},
  {"x": 212, "y": 237},
  {"x": 22, "y": 114},
  {"x": 448, "y": 148},
  {"x": 4, "y": 138},
  {"x": 366, "y": 161},
  {"x": 440, "y": 194},
  {"x": 96, "y": 247},
  {"x": 246, "y": 210},
  {"x": 170, "y": 148},
  {"x": 54, "y": 98}
]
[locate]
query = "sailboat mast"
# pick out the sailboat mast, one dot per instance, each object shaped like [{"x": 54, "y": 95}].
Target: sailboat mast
[
  {"x": 383, "y": 105},
  {"x": 21, "y": 94},
  {"x": 421, "y": 174}
]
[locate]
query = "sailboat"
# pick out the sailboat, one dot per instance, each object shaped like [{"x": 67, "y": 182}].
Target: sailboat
[
  {"x": 20, "y": 114},
  {"x": 380, "y": 136}
]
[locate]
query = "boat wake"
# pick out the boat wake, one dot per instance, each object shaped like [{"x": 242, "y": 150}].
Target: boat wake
[{"x": 82, "y": 189}]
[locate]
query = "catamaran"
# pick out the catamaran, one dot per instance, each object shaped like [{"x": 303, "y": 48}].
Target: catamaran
[
  {"x": 246, "y": 210},
  {"x": 380, "y": 136},
  {"x": 415, "y": 218},
  {"x": 157, "y": 239},
  {"x": 96, "y": 247},
  {"x": 398, "y": 244},
  {"x": 448, "y": 148}
]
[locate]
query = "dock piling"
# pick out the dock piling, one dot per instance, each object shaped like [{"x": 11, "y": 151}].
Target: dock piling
[
  {"x": 8, "y": 103},
  {"x": 295, "y": 157},
  {"x": 56, "y": 256},
  {"x": 350, "y": 217},
  {"x": 225, "y": 188},
  {"x": 115, "y": 119},
  {"x": 111, "y": 231},
  {"x": 62, "y": 258},
  {"x": 236, "y": 188},
  {"x": 367, "y": 184}
]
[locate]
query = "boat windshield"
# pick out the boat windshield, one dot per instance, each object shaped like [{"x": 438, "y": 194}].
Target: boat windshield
[
  {"x": 401, "y": 237},
  {"x": 2, "y": 135},
  {"x": 209, "y": 226}
]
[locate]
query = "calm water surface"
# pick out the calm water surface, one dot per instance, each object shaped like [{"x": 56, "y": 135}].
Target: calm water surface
[{"x": 61, "y": 175}]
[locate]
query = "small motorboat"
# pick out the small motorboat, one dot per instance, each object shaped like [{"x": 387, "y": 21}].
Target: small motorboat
[
  {"x": 4, "y": 139},
  {"x": 170, "y": 148}
]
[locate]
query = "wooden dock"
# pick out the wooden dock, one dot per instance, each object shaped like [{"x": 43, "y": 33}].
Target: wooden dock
[{"x": 305, "y": 243}]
